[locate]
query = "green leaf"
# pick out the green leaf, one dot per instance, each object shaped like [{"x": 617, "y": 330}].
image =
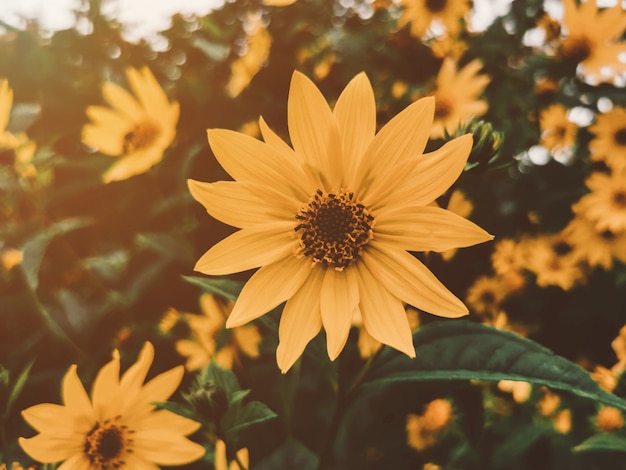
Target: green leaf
[
  {"x": 225, "y": 287},
  {"x": 166, "y": 244},
  {"x": 34, "y": 249},
  {"x": 17, "y": 387},
  {"x": 176, "y": 408},
  {"x": 518, "y": 443},
  {"x": 291, "y": 454},
  {"x": 222, "y": 378},
  {"x": 251, "y": 413},
  {"x": 602, "y": 442},
  {"x": 239, "y": 395},
  {"x": 462, "y": 350}
]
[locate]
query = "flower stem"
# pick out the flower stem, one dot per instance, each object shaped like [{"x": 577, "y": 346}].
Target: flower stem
[{"x": 343, "y": 403}]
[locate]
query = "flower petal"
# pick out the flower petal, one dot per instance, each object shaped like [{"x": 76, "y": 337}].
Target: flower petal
[
  {"x": 249, "y": 248},
  {"x": 74, "y": 395},
  {"x": 338, "y": 303},
  {"x": 133, "y": 164},
  {"x": 428, "y": 228},
  {"x": 383, "y": 314},
  {"x": 402, "y": 138},
  {"x": 47, "y": 416},
  {"x": 106, "y": 387},
  {"x": 123, "y": 102},
  {"x": 409, "y": 280},
  {"x": 76, "y": 462},
  {"x": 269, "y": 287},
  {"x": 430, "y": 176},
  {"x": 234, "y": 204},
  {"x": 313, "y": 129},
  {"x": 132, "y": 380},
  {"x": 300, "y": 321},
  {"x": 166, "y": 420},
  {"x": 50, "y": 448},
  {"x": 165, "y": 447},
  {"x": 355, "y": 112}
]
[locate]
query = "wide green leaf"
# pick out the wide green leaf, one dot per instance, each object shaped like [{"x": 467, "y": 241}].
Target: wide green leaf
[
  {"x": 462, "y": 350},
  {"x": 602, "y": 442}
]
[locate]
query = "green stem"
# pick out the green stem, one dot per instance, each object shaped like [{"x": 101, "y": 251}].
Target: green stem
[{"x": 343, "y": 403}]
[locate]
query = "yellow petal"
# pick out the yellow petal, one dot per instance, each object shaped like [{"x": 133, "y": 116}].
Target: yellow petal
[
  {"x": 383, "y": 314},
  {"x": 76, "y": 462},
  {"x": 148, "y": 90},
  {"x": 48, "y": 448},
  {"x": 300, "y": 321},
  {"x": 122, "y": 101},
  {"x": 115, "y": 122},
  {"x": 355, "y": 112},
  {"x": 234, "y": 204},
  {"x": 133, "y": 164},
  {"x": 268, "y": 288},
  {"x": 338, "y": 303},
  {"x": 313, "y": 130},
  {"x": 409, "y": 280},
  {"x": 47, "y": 416},
  {"x": 106, "y": 388},
  {"x": 402, "y": 138},
  {"x": 74, "y": 395},
  {"x": 133, "y": 378},
  {"x": 165, "y": 448},
  {"x": 249, "y": 248},
  {"x": 431, "y": 175},
  {"x": 103, "y": 139},
  {"x": 170, "y": 422},
  {"x": 428, "y": 229},
  {"x": 6, "y": 103}
]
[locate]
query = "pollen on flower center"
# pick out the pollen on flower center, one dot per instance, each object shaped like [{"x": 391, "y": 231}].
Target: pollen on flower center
[
  {"x": 334, "y": 228},
  {"x": 436, "y": 6},
  {"x": 142, "y": 135},
  {"x": 107, "y": 444},
  {"x": 443, "y": 108}
]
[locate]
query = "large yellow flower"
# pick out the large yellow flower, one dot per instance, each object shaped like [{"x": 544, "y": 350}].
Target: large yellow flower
[
  {"x": 422, "y": 13},
  {"x": 609, "y": 143},
  {"x": 591, "y": 36},
  {"x": 137, "y": 130},
  {"x": 331, "y": 220},
  {"x": 118, "y": 427},
  {"x": 457, "y": 95}
]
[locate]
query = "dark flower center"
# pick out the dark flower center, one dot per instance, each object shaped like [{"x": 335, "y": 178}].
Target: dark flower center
[
  {"x": 607, "y": 235},
  {"x": 576, "y": 48},
  {"x": 436, "y": 6},
  {"x": 562, "y": 248},
  {"x": 334, "y": 228},
  {"x": 443, "y": 108},
  {"x": 141, "y": 136},
  {"x": 488, "y": 298},
  {"x": 107, "y": 444},
  {"x": 620, "y": 136},
  {"x": 619, "y": 198}
]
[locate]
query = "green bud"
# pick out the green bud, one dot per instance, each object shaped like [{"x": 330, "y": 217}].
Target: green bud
[
  {"x": 487, "y": 141},
  {"x": 209, "y": 400}
]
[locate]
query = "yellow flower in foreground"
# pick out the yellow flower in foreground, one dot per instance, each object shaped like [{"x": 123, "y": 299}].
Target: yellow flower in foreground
[
  {"x": 118, "y": 428},
  {"x": 330, "y": 221},
  {"x": 456, "y": 95},
  {"x": 137, "y": 130},
  {"x": 609, "y": 143},
  {"x": 591, "y": 38},
  {"x": 422, "y": 13},
  {"x": 221, "y": 460}
]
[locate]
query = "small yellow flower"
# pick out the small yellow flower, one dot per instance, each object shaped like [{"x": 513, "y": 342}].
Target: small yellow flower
[
  {"x": 554, "y": 261},
  {"x": 423, "y": 430},
  {"x": 422, "y": 13},
  {"x": 331, "y": 220},
  {"x": 118, "y": 427},
  {"x": 591, "y": 38},
  {"x": 249, "y": 63},
  {"x": 558, "y": 133},
  {"x": 609, "y": 142},
  {"x": 605, "y": 205},
  {"x": 485, "y": 295},
  {"x": 518, "y": 389},
  {"x": 605, "y": 378},
  {"x": 221, "y": 461},
  {"x": 457, "y": 94},
  {"x": 137, "y": 130},
  {"x": 205, "y": 328},
  {"x": 10, "y": 258},
  {"x": 609, "y": 419}
]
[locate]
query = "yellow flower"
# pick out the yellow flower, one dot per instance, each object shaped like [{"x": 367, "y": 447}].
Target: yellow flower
[
  {"x": 605, "y": 205},
  {"x": 422, "y": 13},
  {"x": 205, "y": 328},
  {"x": 423, "y": 430},
  {"x": 331, "y": 220},
  {"x": 118, "y": 427},
  {"x": 485, "y": 295},
  {"x": 456, "y": 95},
  {"x": 221, "y": 461},
  {"x": 609, "y": 419},
  {"x": 244, "y": 68},
  {"x": 554, "y": 261},
  {"x": 15, "y": 466},
  {"x": 591, "y": 38},
  {"x": 609, "y": 142},
  {"x": 520, "y": 390},
  {"x": 596, "y": 247},
  {"x": 7, "y": 139},
  {"x": 10, "y": 258},
  {"x": 558, "y": 134},
  {"x": 278, "y": 3},
  {"x": 137, "y": 130}
]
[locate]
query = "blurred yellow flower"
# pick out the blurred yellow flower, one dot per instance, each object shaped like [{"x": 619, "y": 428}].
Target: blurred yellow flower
[
  {"x": 609, "y": 142},
  {"x": 609, "y": 419},
  {"x": 520, "y": 390},
  {"x": 205, "y": 329},
  {"x": 7, "y": 140},
  {"x": 243, "y": 69},
  {"x": 457, "y": 94},
  {"x": 331, "y": 220},
  {"x": 596, "y": 247},
  {"x": 15, "y": 466},
  {"x": 137, "y": 130},
  {"x": 278, "y": 3},
  {"x": 554, "y": 262},
  {"x": 485, "y": 295},
  {"x": 605, "y": 205},
  {"x": 10, "y": 258},
  {"x": 118, "y": 427},
  {"x": 423, "y": 430},
  {"x": 591, "y": 38},
  {"x": 221, "y": 460},
  {"x": 508, "y": 255},
  {"x": 422, "y": 13},
  {"x": 558, "y": 133}
]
